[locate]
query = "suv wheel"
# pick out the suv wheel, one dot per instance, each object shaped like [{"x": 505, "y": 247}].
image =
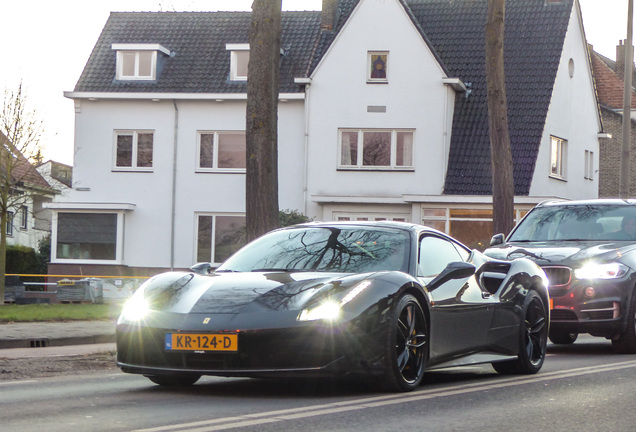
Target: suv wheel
[
  {"x": 561, "y": 338},
  {"x": 626, "y": 341}
]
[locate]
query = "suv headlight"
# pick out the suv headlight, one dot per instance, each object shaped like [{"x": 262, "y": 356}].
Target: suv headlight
[{"x": 601, "y": 271}]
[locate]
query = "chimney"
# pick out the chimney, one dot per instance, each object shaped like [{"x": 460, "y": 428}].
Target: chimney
[
  {"x": 620, "y": 58},
  {"x": 329, "y": 12}
]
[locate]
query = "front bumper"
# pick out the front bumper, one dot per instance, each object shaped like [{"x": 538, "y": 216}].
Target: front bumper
[
  {"x": 600, "y": 314},
  {"x": 309, "y": 349}
]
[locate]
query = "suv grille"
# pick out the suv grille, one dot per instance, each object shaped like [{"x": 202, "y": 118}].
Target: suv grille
[
  {"x": 560, "y": 278},
  {"x": 558, "y": 275}
]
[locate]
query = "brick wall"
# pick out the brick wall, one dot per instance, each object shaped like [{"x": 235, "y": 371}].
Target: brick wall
[{"x": 610, "y": 156}]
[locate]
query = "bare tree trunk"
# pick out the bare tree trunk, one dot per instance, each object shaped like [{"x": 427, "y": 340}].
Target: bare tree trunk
[
  {"x": 261, "y": 184},
  {"x": 501, "y": 153}
]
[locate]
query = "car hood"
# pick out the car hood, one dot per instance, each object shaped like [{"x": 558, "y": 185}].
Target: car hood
[
  {"x": 562, "y": 252},
  {"x": 243, "y": 292}
]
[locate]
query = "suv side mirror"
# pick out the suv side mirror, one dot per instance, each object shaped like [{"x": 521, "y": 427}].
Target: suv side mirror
[{"x": 497, "y": 239}]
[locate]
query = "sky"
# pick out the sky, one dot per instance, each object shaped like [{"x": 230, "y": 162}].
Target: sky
[{"x": 46, "y": 43}]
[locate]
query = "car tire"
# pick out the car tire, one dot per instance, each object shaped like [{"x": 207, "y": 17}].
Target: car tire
[
  {"x": 563, "y": 338},
  {"x": 533, "y": 339},
  {"x": 174, "y": 380},
  {"x": 626, "y": 341},
  {"x": 406, "y": 346}
]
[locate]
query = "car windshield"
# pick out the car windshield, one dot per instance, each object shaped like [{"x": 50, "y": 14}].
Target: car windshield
[
  {"x": 577, "y": 222},
  {"x": 343, "y": 249}
]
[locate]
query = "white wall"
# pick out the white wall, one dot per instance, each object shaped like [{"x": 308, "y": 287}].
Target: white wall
[
  {"x": 572, "y": 116},
  {"x": 147, "y": 235},
  {"x": 414, "y": 98}
]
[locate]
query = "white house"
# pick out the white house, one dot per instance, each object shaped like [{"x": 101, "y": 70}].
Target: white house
[
  {"x": 382, "y": 115},
  {"x": 27, "y": 221}
]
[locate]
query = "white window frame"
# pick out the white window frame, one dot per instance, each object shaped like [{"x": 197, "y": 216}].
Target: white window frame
[
  {"x": 370, "y": 79},
  {"x": 137, "y": 49},
  {"x": 24, "y": 215},
  {"x": 589, "y": 165},
  {"x": 9, "y": 227},
  {"x": 393, "y": 161},
  {"x": 119, "y": 245},
  {"x": 371, "y": 216},
  {"x": 135, "y": 134},
  {"x": 558, "y": 157},
  {"x": 213, "y": 233},
  {"x": 234, "y": 60},
  {"x": 215, "y": 152}
]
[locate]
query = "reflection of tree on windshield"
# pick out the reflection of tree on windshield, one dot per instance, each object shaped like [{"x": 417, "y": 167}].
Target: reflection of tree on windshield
[{"x": 325, "y": 249}]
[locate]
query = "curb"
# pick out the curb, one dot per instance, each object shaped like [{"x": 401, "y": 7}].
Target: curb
[{"x": 43, "y": 342}]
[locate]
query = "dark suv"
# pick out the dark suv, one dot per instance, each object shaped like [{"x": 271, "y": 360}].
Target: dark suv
[{"x": 588, "y": 251}]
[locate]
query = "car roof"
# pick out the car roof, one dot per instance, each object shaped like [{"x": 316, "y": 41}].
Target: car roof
[
  {"x": 600, "y": 201},
  {"x": 379, "y": 224}
]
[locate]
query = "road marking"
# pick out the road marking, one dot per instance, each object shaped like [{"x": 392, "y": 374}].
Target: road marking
[
  {"x": 17, "y": 382},
  {"x": 378, "y": 401}
]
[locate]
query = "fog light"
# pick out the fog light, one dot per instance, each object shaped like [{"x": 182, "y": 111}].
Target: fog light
[{"x": 589, "y": 292}]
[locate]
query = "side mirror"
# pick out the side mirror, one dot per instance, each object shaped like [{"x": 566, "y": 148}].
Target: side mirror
[
  {"x": 204, "y": 268},
  {"x": 497, "y": 239},
  {"x": 454, "y": 270}
]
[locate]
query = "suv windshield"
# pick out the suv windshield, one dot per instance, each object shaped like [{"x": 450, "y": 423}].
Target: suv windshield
[
  {"x": 345, "y": 249},
  {"x": 577, "y": 222}
]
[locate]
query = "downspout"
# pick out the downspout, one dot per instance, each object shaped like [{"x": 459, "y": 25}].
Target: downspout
[
  {"x": 306, "y": 144},
  {"x": 174, "y": 184}
]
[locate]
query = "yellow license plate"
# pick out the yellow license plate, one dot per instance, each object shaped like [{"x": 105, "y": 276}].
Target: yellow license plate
[{"x": 201, "y": 342}]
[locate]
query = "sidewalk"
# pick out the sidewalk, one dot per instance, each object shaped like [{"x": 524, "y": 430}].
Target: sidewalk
[{"x": 40, "y": 337}]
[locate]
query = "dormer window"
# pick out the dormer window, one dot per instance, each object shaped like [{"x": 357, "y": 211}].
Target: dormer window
[
  {"x": 239, "y": 58},
  {"x": 138, "y": 62}
]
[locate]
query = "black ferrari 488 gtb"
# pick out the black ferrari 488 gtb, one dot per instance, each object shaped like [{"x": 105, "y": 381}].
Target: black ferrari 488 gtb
[{"x": 383, "y": 301}]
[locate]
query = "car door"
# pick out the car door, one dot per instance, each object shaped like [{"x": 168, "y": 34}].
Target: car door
[{"x": 460, "y": 312}]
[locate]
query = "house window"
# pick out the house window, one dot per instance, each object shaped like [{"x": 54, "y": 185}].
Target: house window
[
  {"x": 239, "y": 59},
  {"x": 23, "y": 217},
  {"x": 87, "y": 236},
  {"x": 589, "y": 165},
  {"x": 9, "y": 223},
  {"x": 377, "y": 66},
  {"x": 219, "y": 236},
  {"x": 138, "y": 61},
  {"x": 133, "y": 150},
  {"x": 471, "y": 226},
  {"x": 372, "y": 149},
  {"x": 558, "y": 155},
  {"x": 221, "y": 151}
]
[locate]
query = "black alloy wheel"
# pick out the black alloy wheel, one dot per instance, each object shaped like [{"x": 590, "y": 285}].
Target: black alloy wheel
[
  {"x": 407, "y": 345},
  {"x": 174, "y": 380},
  {"x": 533, "y": 339},
  {"x": 626, "y": 341},
  {"x": 563, "y": 338}
]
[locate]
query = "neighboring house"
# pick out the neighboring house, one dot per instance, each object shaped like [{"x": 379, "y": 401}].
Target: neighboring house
[
  {"x": 609, "y": 76},
  {"x": 382, "y": 115},
  {"x": 27, "y": 220},
  {"x": 60, "y": 177}
]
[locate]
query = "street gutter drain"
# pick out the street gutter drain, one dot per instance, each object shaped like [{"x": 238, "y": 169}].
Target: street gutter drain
[{"x": 38, "y": 343}]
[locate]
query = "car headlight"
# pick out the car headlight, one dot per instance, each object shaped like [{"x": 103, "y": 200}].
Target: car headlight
[
  {"x": 601, "y": 271},
  {"x": 328, "y": 310},
  {"x": 136, "y": 308}
]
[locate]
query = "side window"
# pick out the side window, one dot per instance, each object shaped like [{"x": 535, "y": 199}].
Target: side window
[{"x": 435, "y": 254}]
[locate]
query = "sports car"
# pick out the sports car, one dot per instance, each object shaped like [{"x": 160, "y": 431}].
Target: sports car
[{"x": 379, "y": 301}]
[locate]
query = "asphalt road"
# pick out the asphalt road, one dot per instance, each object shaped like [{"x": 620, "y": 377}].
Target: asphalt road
[{"x": 583, "y": 387}]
